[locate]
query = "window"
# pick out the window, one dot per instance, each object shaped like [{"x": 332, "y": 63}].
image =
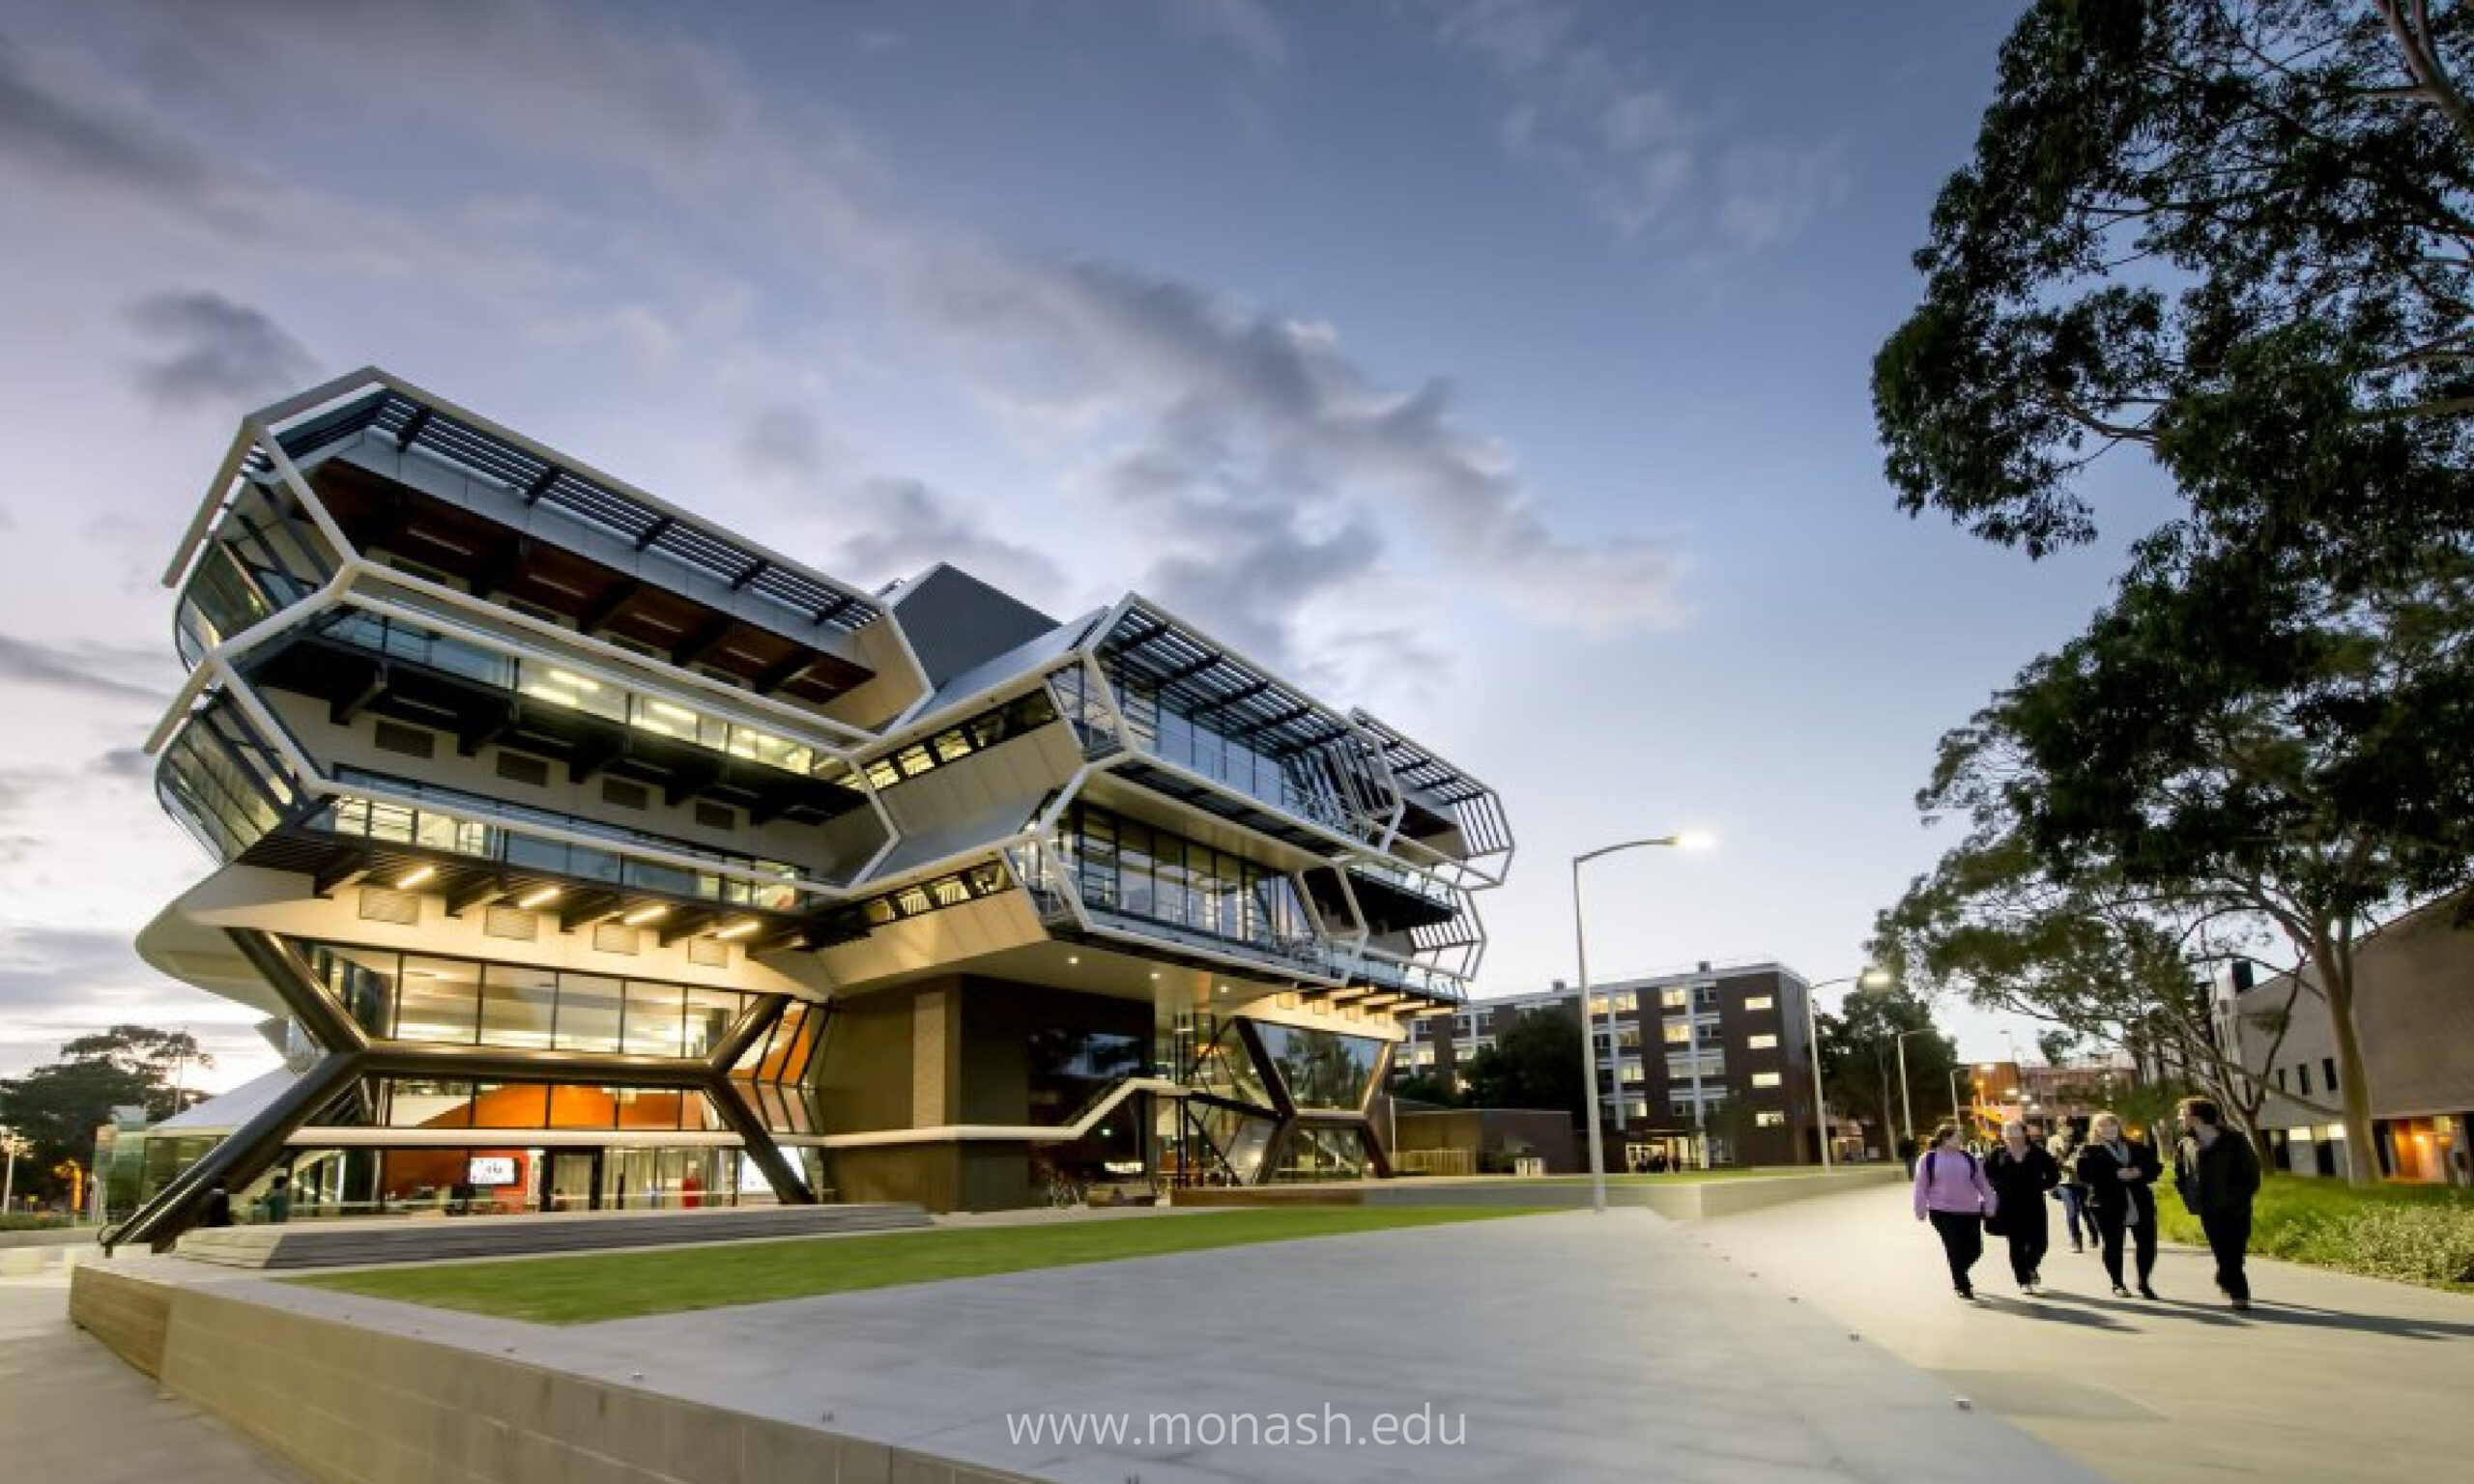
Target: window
[
  {"x": 1765, "y": 1079},
  {"x": 1678, "y": 1033},
  {"x": 409, "y": 741},
  {"x": 2281, "y": 1079},
  {"x": 1760, "y": 1042},
  {"x": 1759, "y": 1002},
  {"x": 1770, "y": 1119},
  {"x": 2328, "y": 1069},
  {"x": 1675, "y": 998},
  {"x": 2302, "y": 1078}
]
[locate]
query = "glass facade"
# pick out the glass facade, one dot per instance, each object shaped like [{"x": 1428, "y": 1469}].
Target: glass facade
[
  {"x": 547, "y": 680},
  {"x": 1322, "y": 1068},
  {"x": 483, "y": 1179},
  {"x": 1237, "y": 1140},
  {"x": 772, "y": 1073},
  {"x": 1173, "y": 728},
  {"x": 1314, "y": 1152},
  {"x": 1016, "y": 718},
  {"x": 257, "y": 564},
  {"x": 1136, "y": 870},
  {"x": 459, "y": 1002},
  {"x": 223, "y": 783},
  {"x": 470, "y": 824}
]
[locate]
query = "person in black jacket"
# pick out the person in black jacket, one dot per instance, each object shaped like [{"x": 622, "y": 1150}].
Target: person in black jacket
[
  {"x": 2021, "y": 1172},
  {"x": 2216, "y": 1173},
  {"x": 2120, "y": 1175},
  {"x": 216, "y": 1209}
]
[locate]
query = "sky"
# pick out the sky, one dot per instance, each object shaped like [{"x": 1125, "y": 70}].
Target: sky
[{"x": 1498, "y": 365}]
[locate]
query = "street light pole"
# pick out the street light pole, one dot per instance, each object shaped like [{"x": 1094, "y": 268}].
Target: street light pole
[
  {"x": 1869, "y": 978},
  {"x": 1906, "y": 1107},
  {"x": 1589, "y": 1043}
]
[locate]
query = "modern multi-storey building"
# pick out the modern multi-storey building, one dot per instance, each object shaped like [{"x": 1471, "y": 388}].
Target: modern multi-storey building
[
  {"x": 1715, "y": 1056},
  {"x": 2414, "y": 1022},
  {"x": 594, "y": 855}
]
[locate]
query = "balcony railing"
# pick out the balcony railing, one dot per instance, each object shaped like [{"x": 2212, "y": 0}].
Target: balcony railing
[
  {"x": 472, "y": 825},
  {"x": 545, "y": 680}
]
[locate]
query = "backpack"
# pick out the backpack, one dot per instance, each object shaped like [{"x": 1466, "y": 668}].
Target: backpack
[{"x": 1928, "y": 1163}]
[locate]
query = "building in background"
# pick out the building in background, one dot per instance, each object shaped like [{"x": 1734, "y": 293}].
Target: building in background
[
  {"x": 2414, "y": 1017},
  {"x": 1713, "y": 1058},
  {"x": 592, "y": 855}
]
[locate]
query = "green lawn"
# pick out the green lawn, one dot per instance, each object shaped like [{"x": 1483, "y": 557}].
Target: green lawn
[
  {"x": 624, "y": 1285},
  {"x": 2415, "y": 1233}
]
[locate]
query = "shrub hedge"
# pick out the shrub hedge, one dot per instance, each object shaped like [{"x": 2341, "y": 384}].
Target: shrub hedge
[{"x": 2412, "y": 1234}]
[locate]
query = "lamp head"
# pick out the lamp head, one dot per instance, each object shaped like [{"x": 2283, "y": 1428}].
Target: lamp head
[{"x": 1696, "y": 840}]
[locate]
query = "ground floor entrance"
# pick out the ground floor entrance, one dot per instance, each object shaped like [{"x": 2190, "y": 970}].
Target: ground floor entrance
[{"x": 509, "y": 1179}]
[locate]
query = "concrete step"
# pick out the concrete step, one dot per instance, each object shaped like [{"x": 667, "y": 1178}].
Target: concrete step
[{"x": 428, "y": 1238}]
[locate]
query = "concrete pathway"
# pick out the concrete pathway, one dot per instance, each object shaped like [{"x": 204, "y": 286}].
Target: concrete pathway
[
  {"x": 1563, "y": 1347},
  {"x": 71, "y": 1412},
  {"x": 2330, "y": 1378}
]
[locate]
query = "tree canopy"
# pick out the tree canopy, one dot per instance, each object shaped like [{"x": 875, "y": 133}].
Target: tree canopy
[
  {"x": 2240, "y": 239},
  {"x": 56, "y": 1108},
  {"x": 1860, "y": 1059},
  {"x": 1535, "y": 1063}
]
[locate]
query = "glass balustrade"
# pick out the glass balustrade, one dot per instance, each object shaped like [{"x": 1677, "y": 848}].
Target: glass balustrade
[
  {"x": 465, "y": 825},
  {"x": 545, "y": 680}
]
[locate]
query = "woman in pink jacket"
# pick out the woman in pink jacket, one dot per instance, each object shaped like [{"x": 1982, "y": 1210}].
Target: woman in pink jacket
[{"x": 1952, "y": 1192}]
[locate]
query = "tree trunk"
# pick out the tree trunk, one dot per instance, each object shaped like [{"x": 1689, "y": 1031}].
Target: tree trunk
[{"x": 2337, "y": 982}]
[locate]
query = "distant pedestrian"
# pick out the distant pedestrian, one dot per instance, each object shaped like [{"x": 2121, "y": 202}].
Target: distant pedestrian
[
  {"x": 2064, "y": 1148},
  {"x": 216, "y": 1209},
  {"x": 2020, "y": 1172},
  {"x": 275, "y": 1206},
  {"x": 1952, "y": 1192},
  {"x": 2120, "y": 1174},
  {"x": 2217, "y": 1174}
]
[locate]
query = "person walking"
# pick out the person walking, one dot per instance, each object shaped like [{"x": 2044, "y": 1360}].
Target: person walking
[
  {"x": 2120, "y": 1175},
  {"x": 2217, "y": 1174},
  {"x": 2020, "y": 1171},
  {"x": 216, "y": 1209},
  {"x": 275, "y": 1206},
  {"x": 2064, "y": 1148},
  {"x": 1950, "y": 1192}
]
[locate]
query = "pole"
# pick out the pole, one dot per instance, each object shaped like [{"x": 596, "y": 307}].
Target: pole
[
  {"x": 1906, "y": 1107},
  {"x": 9, "y": 1184},
  {"x": 1821, "y": 1109},
  {"x": 1589, "y": 1052}
]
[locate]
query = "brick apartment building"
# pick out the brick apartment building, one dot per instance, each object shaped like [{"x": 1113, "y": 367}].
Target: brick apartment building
[{"x": 1743, "y": 1022}]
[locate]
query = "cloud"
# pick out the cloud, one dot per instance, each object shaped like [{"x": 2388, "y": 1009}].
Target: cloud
[
  {"x": 1249, "y": 441},
  {"x": 42, "y": 967},
  {"x": 212, "y": 352},
  {"x": 72, "y": 140},
  {"x": 783, "y": 445},
  {"x": 112, "y": 672},
  {"x": 908, "y": 527},
  {"x": 124, "y": 764},
  {"x": 1651, "y": 164},
  {"x": 1243, "y": 24}
]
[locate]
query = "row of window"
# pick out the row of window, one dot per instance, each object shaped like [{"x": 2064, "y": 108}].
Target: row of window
[
  {"x": 1702, "y": 999},
  {"x": 1016, "y": 718},
  {"x": 1129, "y": 866},
  {"x": 458, "y": 1002},
  {"x": 2302, "y": 1078}
]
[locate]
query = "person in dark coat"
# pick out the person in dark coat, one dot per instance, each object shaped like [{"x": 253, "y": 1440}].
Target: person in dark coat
[
  {"x": 2215, "y": 1172},
  {"x": 216, "y": 1209},
  {"x": 2021, "y": 1171},
  {"x": 2120, "y": 1174}
]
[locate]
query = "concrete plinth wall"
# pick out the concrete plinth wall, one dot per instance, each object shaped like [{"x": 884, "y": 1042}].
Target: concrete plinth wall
[{"x": 355, "y": 1406}]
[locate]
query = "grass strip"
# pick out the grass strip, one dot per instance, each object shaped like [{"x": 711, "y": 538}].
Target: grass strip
[{"x": 591, "y": 1287}]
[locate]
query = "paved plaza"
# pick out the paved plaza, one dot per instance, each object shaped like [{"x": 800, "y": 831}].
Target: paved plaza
[
  {"x": 71, "y": 1412},
  {"x": 1576, "y": 1347},
  {"x": 2331, "y": 1378}
]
